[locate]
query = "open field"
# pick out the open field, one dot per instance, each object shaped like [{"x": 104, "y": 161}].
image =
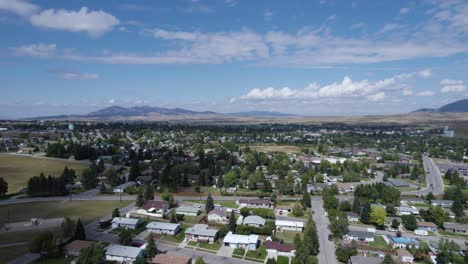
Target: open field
[
  {"x": 17, "y": 170},
  {"x": 10, "y": 253},
  {"x": 88, "y": 211},
  {"x": 276, "y": 148}
]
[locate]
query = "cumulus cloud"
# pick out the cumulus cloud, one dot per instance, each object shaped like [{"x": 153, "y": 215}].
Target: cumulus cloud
[
  {"x": 75, "y": 75},
  {"x": 347, "y": 88},
  {"x": 407, "y": 92},
  {"x": 404, "y": 10},
  {"x": 95, "y": 23},
  {"x": 450, "y": 86},
  {"x": 19, "y": 7}
]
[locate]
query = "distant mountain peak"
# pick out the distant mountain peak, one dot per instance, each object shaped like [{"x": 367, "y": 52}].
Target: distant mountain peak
[{"x": 460, "y": 106}]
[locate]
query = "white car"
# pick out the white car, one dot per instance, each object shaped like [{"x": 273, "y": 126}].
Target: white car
[
  {"x": 197, "y": 205},
  {"x": 217, "y": 205},
  {"x": 391, "y": 230}
]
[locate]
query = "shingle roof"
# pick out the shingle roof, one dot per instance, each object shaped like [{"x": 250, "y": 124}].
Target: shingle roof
[
  {"x": 78, "y": 245},
  {"x": 162, "y": 225},
  {"x": 278, "y": 246},
  {"x": 219, "y": 211},
  {"x": 155, "y": 204},
  {"x": 254, "y": 219},
  {"x": 201, "y": 230},
  {"x": 187, "y": 209},
  {"x": 123, "y": 251}
]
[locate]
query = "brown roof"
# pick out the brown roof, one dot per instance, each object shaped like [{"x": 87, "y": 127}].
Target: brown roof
[
  {"x": 254, "y": 201},
  {"x": 219, "y": 211},
  {"x": 278, "y": 246},
  {"x": 155, "y": 204},
  {"x": 77, "y": 245},
  {"x": 427, "y": 224},
  {"x": 403, "y": 252},
  {"x": 170, "y": 259}
]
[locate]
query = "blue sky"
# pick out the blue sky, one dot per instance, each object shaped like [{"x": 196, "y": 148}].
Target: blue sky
[{"x": 324, "y": 57}]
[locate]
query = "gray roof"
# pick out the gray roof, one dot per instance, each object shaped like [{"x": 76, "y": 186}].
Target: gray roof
[
  {"x": 125, "y": 221},
  {"x": 123, "y": 251},
  {"x": 352, "y": 214},
  {"x": 201, "y": 230},
  {"x": 254, "y": 219},
  {"x": 398, "y": 183},
  {"x": 360, "y": 234},
  {"x": 188, "y": 209},
  {"x": 365, "y": 260},
  {"x": 219, "y": 211},
  {"x": 162, "y": 225}
]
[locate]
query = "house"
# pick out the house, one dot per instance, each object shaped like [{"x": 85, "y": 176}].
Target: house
[
  {"x": 156, "y": 209},
  {"x": 188, "y": 210},
  {"x": 405, "y": 256},
  {"x": 442, "y": 203},
  {"x": 254, "y": 220},
  {"x": 456, "y": 228},
  {"x": 344, "y": 187},
  {"x": 201, "y": 233},
  {"x": 163, "y": 228},
  {"x": 282, "y": 225},
  {"x": 403, "y": 242},
  {"x": 254, "y": 203},
  {"x": 171, "y": 259},
  {"x": 421, "y": 232},
  {"x": 249, "y": 242},
  {"x": 121, "y": 188},
  {"x": 123, "y": 254},
  {"x": 218, "y": 215},
  {"x": 74, "y": 248},
  {"x": 352, "y": 216},
  {"x": 275, "y": 248},
  {"x": 124, "y": 222},
  {"x": 283, "y": 209},
  {"x": 364, "y": 260},
  {"x": 359, "y": 236},
  {"x": 407, "y": 210},
  {"x": 428, "y": 226}
]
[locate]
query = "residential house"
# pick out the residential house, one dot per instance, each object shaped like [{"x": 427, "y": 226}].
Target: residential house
[
  {"x": 283, "y": 225},
  {"x": 402, "y": 242},
  {"x": 74, "y": 248},
  {"x": 345, "y": 187},
  {"x": 254, "y": 203},
  {"x": 155, "y": 209},
  {"x": 275, "y": 248},
  {"x": 248, "y": 242},
  {"x": 201, "y": 233},
  {"x": 352, "y": 216},
  {"x": 283, "y": 209},
  {"x": 163, "y": 228},
  {"x": 123, "y": 254},
  {"x": 124, "y": 222},
  {"x": 254, "y": 220},
  {"x": 428, "y": 226},
  {"x": 359, "y": 236},
  {"x": 188, "y": 210},
  {"x": 405, "y": 256},
  {"x": 442, "y": 203},
  {"x": 364, "y": 260},
  {"x": 420, "y": 232},
  {"x": 171, "y": 259},
  {"x": 218, "y": 215},
  {"x": 121, "y": 188},
  {"x": 456, "y": 228},
  {"x": 407, "y": 210}
]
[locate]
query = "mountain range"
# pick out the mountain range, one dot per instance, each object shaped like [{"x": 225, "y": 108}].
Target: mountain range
[{"x": 460, "y": 106}]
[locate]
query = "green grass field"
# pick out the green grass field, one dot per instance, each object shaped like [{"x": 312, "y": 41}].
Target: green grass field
[
  {"x": 16, "y": 170},
  {"x": 88, "y": 211},
  {"x": 230, "y": 204},
  {"x": 379, "y": 242}
]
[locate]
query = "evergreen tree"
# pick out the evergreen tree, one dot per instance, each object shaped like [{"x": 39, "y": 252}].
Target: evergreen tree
[
  {"x": 149, "y": 193},
  {"x": 209, "y": 206},
  {"x": 68, "y": 227},
  {"x": 395, "y": 224},
  {"x": 140, "y": 260},
  {"x": 220, "y": 182},
  {"x": 80, "y": 233},
  {"x": 102, "y": 188},
  {"x": 140, "y": 201},
  {"x": 115, "y": 213},
  {"x": 3, "y": 187},
  {"x": 457, "y": 206},
  {"x": 125, "y": 237},
  {"x": 306, "y": 200},
  {"x": 89, "y": 178},
  {"x": 134, "y": 170},
  {"x": 232, "y": 222},
  {"x": 388, "y": 259},
  {"x": 173, "y": 217},
  {"x": 430, "y": 196},
  {"x": 151, "y": 249},
  {"x": 365, "y": 213},
  {"x": 409, "y": 222},
  {"x": 356, "y": 206}
]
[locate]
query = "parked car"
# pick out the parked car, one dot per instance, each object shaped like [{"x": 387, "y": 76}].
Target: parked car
[
  {"x": 330, "y": 237},
  {"x": 197, "y": 205}
]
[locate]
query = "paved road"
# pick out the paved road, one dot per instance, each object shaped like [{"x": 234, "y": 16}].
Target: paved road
[
  {"x": 327, "y": 248},
  {"x": 435, "y": 184}
]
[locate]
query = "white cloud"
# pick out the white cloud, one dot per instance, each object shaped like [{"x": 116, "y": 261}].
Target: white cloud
[
  {"x": 389, "y": 27},
  {"x": 95, "y": 23},
  {"x": 404, "y": 10},
  {"x": 75, "y": 75},
  {"x": 426, "y": 73},
  {"x": 450, "y": 86},
  {"x": 425, "y": 94},
  {"x": 111, "y": 101},
  {"x": 407, "y": 92},
  {"x": 19, "y": 7},
  {"x": 40, "y": 50},
  {"x": 376, "y": 97}
]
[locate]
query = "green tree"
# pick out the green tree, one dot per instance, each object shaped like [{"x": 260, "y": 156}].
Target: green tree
[
  {"x": 343, "y": 253},
  {"x": 3, "y": 187},
  {"x": 173, "y": 217},
  {"x": 457, "y": 206},
  {"x": 365, "y": 213},
  {"x": 200, "y": 261},
  {"x": 345, "y": 206},
  {"x": 306, "y": 200},
  {"x": 80, "y": 233},
  {"x": 89, "y": 178},
  {"x": 209, "y": 206},
  {"x": 149, "y": 193},
  {"x": 430, "y": 196},
  {"x": 271, "y": 261},
  {"x": 297, "y": 210},
  {"x": 115, "y": 213},
  {"x": 93, "y": 254},
  {"x": 232, "y": 222},
  {"x": 44, "y": 243},
  {"x": 395, "y": 224},
  {"x": 388, "y": 259},
  {"x": 230, "y": 178},
  {"x": 67, "y": 227},
  {"x": 378, "y": 216},
  {"x": 140, "y": 201},
  {"x": 435, "y": 214},
  {"x": 102, "y": 187},
  {"x": 140, "y": 260},
  {"x": 151, "y": 249},
  {"x": 338, "y": 222},
  {"x": 356, "y": 206},
  {"x": 125, "y": 237},
  {"x": 409, "y": 222}
]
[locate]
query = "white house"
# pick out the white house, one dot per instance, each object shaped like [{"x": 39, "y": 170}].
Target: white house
[
  {"x": 360, "y": 236},
  {"x": 188, "y": 210},
  {"x": 407, "y": 210},
  {"x": 219, "y": 215},
  {"x": 420, "y": 232},
  {"x": 124, "y": 222},
  {"x": 254, "y": 220},
  {"x": 163, "y": 228},
  {"x": 428, "y": 226},
  {"x": 442, "y": 203},
  {"x": 254, "y": 203},
  {"x": 275, "y": 249},
  {"x": 282, "y": 225},
  {"x": 405, "y": 256},
  {"x": 201, "y": 233},
  {"x": 249, "y": 242},
  {"x": 352, "y": 216},
  {"x": 123, "y": 254}
]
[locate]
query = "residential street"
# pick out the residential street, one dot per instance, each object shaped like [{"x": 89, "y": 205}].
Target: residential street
[
  {"x": 434, "y": 180},
  {"x": 327, "y": 248}
]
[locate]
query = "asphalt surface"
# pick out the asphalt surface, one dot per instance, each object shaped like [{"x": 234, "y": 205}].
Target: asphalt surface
[
  {"x": 435, "y": 184},
  {"x": 327, "y": 248}
]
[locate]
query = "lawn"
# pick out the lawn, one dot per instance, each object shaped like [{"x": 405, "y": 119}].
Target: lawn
[
  {"x": 177, "y": 239},
  {"x": 17, "y": 170},
  {"x": 193, "y": 219},
  {"x": 215, "y": 246},
  {"x": 287, "y": 236},
  {"x": 230, "y": 204},
  {"x": 282, "y": 260},
  {"x": 87, "y": 211},
  {"x": 379, "y": 242},
  {"x": 9, "y": 253},
  {"x": 239, "y": 251},
  {"x": 276, "y": 148},
  {"x": 259, "y": 254},
  {"x": 192, "y": 243},
  {"x": 445, "y": 233}
]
